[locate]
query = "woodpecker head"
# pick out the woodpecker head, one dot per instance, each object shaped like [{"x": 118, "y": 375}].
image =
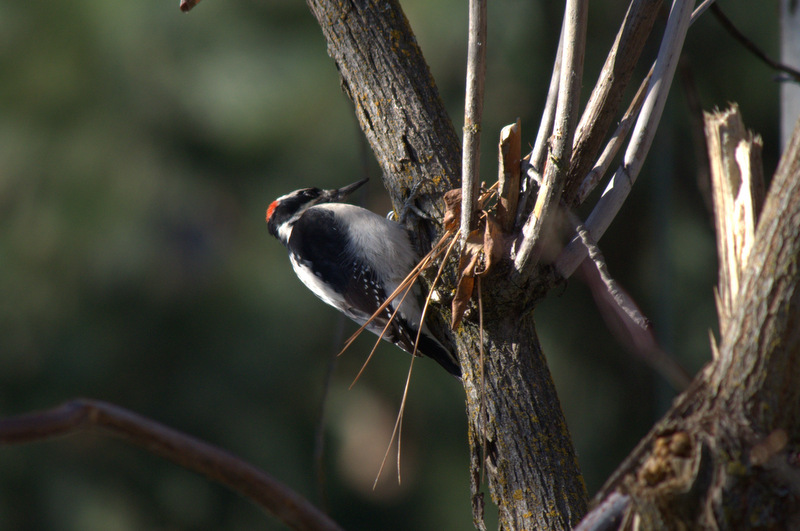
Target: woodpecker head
[{"x": 287, "y": 209}]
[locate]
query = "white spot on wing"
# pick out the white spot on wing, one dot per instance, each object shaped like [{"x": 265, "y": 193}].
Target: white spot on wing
[{"x": 373, "y": 239}]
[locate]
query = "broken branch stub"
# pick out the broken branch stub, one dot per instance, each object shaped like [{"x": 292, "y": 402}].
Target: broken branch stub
[
  {"x": 508, "y": 174},
  {"x": 738, "y": 195}
]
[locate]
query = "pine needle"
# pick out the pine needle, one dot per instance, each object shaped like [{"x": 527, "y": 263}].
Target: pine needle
[
  {"x": 404, "y": 285},
  {"x": 397, "y": 425},
  {"x": 383, "y": 332},
  {"x": 399, "y": 422}
]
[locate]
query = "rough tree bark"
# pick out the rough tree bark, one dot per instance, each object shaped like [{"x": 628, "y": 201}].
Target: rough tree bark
[
  {"x": 730, "y": 438},
  {"x": 726, "y": 455},
  {"x": 531, "y": 466}
]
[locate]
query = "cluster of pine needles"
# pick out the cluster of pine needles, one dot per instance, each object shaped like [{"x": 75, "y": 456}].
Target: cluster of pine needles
[{"x": 474, "y": 261}]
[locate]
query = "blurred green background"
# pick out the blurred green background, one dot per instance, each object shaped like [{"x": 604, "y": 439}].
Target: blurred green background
[{"x": 139, "y": 148}]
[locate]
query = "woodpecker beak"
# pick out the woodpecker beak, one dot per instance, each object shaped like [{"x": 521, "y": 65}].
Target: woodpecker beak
[{"x": 335, "y": 196}]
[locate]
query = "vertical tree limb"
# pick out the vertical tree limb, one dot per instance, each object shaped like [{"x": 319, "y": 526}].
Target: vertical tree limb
[
  {"x": 642, "y": 137},
  {"x": 601, "y": 109},
  {"x": 538, "y": 155},
  {"x": 473, "y": 113},
  {"x": 548, "y": 201}
]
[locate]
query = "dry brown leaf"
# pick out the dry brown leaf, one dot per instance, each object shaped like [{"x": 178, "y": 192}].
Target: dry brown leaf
[
  {"x": 493, "y": 244},
  {"x": 467, "y": 264},
  {"x": 461, "y": 300},
  {"x": 452, "y": 209}
]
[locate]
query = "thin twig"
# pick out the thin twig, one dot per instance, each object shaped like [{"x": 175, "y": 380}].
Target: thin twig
[
  {"x": 623, "y": 310},
  {"x": 548, "y": 199},
  {"x": 699, "y": 10},
  {"x": 539, "y": 151},
  {"x": 213, "y": 462},
  {"x": 750, "y": 45},
  {"x": 606, "y": 97},
  {"x": 622, "y": 299},
  {"x": 473, "y": 113},
  {"x": 538, "y": 155},
  {"x": 620, "y": 185},
  {"x": 608, "y": 514},
  {"x": 615, "y": 142}
]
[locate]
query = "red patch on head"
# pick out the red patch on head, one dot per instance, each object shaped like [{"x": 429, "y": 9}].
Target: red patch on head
[{"x": 271, "y": 209}]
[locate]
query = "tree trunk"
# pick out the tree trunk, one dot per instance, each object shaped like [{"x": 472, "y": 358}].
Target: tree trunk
[
  {"x": 726, "y": 455},
  {"x": 396, "y": 100},
  {"x": 532, "y": 468}
]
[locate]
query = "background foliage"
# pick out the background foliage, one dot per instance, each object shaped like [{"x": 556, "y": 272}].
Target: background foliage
[{"x": 139, "y": 148}]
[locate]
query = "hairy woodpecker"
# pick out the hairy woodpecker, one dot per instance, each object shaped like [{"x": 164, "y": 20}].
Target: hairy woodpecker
[{"x": 353, "y": 259}]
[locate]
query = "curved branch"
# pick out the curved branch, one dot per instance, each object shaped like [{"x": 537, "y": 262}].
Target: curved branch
[{"x": 189, "y": 452}]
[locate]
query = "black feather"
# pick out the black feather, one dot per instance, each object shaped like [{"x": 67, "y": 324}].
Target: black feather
[{"x": 319, "y": 242}]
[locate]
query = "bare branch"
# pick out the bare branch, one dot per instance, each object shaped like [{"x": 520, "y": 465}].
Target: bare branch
[
  {"x": 549, "y": 197},
  {"x": 473, "y": 112},
  {"x": 610, "y": 151},
  {"x": 539, "y": 151},
  {"x": 699, "y": 10},
  {"x": 538, "y": 155},
  {"x": 607, "y": 516},
  {"x": 620, "y": 185},
  {"x": 189, "y": 452},
  {"x": 623, "y": 315},
  {"x": 751, "y": 46},
  {"x": 605, "y": 99}
]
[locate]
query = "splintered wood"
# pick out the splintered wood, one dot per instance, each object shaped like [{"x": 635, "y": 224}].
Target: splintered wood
[{"x": 737, "y": 184}]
